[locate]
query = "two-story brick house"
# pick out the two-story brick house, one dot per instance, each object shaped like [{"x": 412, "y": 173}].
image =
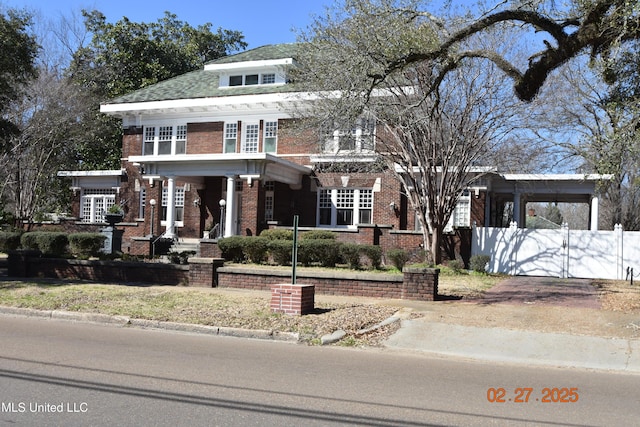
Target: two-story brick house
[{"x": 217, "y": 148}]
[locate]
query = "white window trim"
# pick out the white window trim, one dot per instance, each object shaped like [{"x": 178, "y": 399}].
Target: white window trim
[
  {"x": 334, "y": 207},
  {"x": 255, "y": 145},
  {"x": 179, "y": 204},
  {"x": 96, "y": 214},
  {"x": 156, "y": 138}
]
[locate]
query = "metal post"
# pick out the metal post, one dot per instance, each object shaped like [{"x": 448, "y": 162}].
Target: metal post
[{"x": 294, "y": 250}]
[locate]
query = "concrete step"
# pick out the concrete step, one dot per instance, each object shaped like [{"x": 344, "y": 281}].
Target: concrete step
[{"x": 186, "y": 244}]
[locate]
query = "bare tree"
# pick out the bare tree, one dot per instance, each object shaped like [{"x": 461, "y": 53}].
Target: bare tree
[
  {"x": 434, "y": 130},
  {"x": 47, "y": 115}
]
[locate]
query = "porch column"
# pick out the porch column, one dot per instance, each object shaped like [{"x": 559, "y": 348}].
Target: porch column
[
  {"x": 593, "y": 218},
  {"x": 517, "y": 209},
  {"x": 229, "y": 229},
  {"x": 171, "y": 209}
]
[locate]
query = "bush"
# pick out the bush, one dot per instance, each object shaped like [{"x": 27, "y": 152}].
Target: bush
[
  {"x": 86, "y": 244},
  {"x": 479, "y": 263},
  {"x": 280, "y": 251},
  {"x": 9, "y": 241},
  {"x": 277, "y": 234},
  {"x": 456, "y": 265},
  {"x": 255, "y": 249},
  {"x": 398, "y": 257},
  {"x": 232, "y": 248},
  {"x": 317, "y": 235},
  {"x": 49, "y": 243},
  {"x": 350, "y": 253},
  {"x": 322, "y": 251},
  {"x": 374, "y": 253}
]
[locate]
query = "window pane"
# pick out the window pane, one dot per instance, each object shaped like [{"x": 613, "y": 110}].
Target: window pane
[
  {"x": 365, "y": 216},
  {"x": 268, "y": 79},
  {"x": 149, "y": 137},
  {"x": 181, "y": 139},
  {"x": 164, "y": 140},
  {"x": 251, "y": 79},
  {"x": 230, "y": 137},
  {"x": 250, "y": 143},
  {"x": 235, "y": 81},
  {"x": 345, "y": 217}
]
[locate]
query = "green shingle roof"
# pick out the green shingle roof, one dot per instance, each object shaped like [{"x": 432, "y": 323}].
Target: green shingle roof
[{"x": 205, "y": 83}]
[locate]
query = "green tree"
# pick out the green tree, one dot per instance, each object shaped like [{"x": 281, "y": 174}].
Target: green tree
[
  {"x": 127, "y": 56},
  {"x": 18, "y": 52}
]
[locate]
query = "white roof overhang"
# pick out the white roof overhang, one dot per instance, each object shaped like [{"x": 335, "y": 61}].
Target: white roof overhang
[
  {"x": 94, "y": 179},
  {"x": 250, "y": 166},
  {"x": 220, "y": 105}
]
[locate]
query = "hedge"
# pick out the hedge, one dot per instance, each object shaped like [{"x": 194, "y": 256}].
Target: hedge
[
  {"x": 9, "y": 241},
  {"x": 86, "y": 244},
  {"x": 49, "y": 243}
]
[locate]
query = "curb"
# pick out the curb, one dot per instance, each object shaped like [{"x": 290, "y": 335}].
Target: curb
[{"x": 124, "y": 321}]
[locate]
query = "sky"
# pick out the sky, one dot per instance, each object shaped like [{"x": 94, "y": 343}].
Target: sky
[{"x": 262, "y": 22}]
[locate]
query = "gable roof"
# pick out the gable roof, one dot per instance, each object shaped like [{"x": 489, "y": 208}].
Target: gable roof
[{"x": 205, "y": 83}]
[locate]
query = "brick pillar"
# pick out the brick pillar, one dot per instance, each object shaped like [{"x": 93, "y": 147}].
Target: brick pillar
[
  {"x": 18, "y": 262},
  {"x": 202, "y": 272},
  {"x": 292, "y": 299},
  {"x": 420, "y": 284}
]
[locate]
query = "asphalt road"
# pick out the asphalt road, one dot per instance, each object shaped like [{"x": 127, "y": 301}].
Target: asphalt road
[{"x": 58, "y": 373}]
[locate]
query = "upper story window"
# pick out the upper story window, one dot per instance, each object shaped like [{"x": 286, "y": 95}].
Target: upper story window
[
  {"x": 250, "y": 137},
  {"x": 359, "y": 138},
  {"x": 165, "y": 140},
  {"x": 250, "y": 79}
]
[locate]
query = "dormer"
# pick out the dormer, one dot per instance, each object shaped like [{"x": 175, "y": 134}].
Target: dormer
[{"x": 263, "y": 66}]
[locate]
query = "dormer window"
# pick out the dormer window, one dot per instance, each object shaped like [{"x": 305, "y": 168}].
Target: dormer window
[{"x": 235, "y": 81}]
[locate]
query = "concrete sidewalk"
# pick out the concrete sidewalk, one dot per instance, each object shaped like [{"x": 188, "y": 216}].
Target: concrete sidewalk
[{"x": 516, "y": 346}]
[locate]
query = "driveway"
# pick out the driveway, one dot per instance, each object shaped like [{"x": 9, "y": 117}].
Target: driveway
[{"x": 543, "y": 291}]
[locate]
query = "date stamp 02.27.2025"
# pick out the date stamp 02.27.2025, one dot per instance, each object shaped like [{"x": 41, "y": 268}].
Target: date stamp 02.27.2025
[{"x": 527, "y": 395}]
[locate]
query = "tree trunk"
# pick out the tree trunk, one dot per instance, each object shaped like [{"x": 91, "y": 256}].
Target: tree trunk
[{"x": 436, "y": 254}]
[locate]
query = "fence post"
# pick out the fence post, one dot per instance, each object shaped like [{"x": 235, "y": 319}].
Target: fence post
[
  {"x": 565, "y": 250},
  {"x": 620, "y": 250}
]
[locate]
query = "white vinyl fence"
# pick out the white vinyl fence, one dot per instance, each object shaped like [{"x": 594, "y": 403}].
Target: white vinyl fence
[{"x": 559, "y": 253}]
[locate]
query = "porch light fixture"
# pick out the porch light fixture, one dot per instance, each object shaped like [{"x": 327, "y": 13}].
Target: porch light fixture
[
  {"x": 152, "y": 203},
  {"x": 223, "y": 204}
]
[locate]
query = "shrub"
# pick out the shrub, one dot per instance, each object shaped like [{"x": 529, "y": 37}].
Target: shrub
[
  {"x": 49, "y": 243},
  {"x": 232, "y": 248},
  {"x": 398, "y": 257},
  {"x": 479, "y": 263},
  {"x": 318, "y": 234},
  {"x": 255, "y": 249},
  {"x": 456, "y": 265},
  {"x": 86, "y": 244},
  {"x": 350, "y": 253},
  {"x": 374, "y": 253},
  {"x": 162, "y": 246},
  {"x": 277, "y": 234},
  {"x": 322, "y": 251},
  {"x": 280, "y": 251},
  {"x": 9, "y": 241}
]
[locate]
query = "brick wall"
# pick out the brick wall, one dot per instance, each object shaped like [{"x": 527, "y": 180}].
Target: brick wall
[
  {"x": 292, "y": 299},
  {"x": 422, "y": 285}
]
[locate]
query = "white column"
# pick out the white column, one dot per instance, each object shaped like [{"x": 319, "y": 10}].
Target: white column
[
  {"x": 171, "y": 209},
  {"x": 516, "y": 209},
  {"x": 594, "y": 214},
  {"x": 229, "y": 229}
]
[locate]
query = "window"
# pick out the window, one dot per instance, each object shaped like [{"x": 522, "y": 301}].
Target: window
[
  {"x": 270, "y": 136},
  {"x": 142, "y": 202},
  {"x": 250, "y": 140},
  {"x": 268, "y": 79},
  {"x": 345, "y": 207},
  {"x": 230, "y": 137},
  {"x": 358, "y": 138},
  {"x": 269, "y": 187},
  {"x": 178, "y": 203},
  {"x": 165, "y": 140},
  {"x": 95, "y": 203},
  {"x": 461, "y": 216},
  {"x": 252, "y": 79}
]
